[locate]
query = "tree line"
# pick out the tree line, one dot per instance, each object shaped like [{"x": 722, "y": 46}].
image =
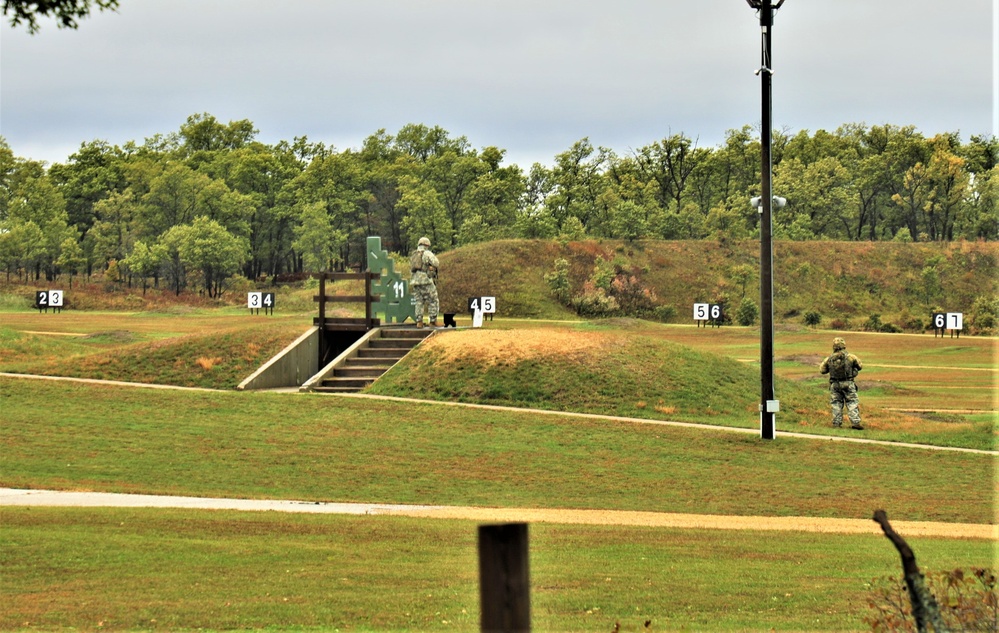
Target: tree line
[{"x": 205, "y": 203}]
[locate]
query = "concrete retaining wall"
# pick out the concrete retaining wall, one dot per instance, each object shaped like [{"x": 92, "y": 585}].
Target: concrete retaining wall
[{"x": 291, "y": 367}]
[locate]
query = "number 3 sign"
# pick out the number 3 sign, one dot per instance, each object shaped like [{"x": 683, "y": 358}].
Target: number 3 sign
[
  {"x": 258, "y": 300},
  {"x": 45, "y": 299}
]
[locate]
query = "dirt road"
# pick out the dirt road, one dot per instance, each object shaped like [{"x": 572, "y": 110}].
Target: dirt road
[{"x": 14, "y": 497}]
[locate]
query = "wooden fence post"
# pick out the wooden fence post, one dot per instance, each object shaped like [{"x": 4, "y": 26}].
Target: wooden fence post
[{"x": 504, "y": 578}]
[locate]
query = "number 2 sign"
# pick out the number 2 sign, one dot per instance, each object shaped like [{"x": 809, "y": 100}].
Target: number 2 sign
[{"x": 45, "y": 299}]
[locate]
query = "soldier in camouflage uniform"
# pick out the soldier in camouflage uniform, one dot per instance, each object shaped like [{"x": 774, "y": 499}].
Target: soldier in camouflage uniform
[
  {"x": 423, "y": 266},
  {"x": 842, "y": 368}
]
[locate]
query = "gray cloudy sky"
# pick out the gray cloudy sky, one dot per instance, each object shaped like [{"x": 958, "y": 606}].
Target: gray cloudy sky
[{"x": 528, "y": 76}]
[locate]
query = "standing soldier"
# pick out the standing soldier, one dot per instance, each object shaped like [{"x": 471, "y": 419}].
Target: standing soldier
[
  {"x": 423, "y": 266},
  {"x": 842, "y": 368}
]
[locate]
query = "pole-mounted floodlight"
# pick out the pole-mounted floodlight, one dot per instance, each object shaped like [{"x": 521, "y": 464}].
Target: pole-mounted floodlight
[{"x": 769, "y": 405}]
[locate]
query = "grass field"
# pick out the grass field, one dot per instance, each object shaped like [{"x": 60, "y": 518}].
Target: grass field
[
  {"x": 108, "y": 569},
  {"x": 155, "y": 570}
]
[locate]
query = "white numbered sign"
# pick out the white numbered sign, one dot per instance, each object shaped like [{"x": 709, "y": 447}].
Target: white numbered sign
[
  {"x": 701, "y": 311},
  {"x": 955, "y": 320},
  {"x": 485, "y": 305},
  {"x": 260, "y": 300},
  {"x": 45, "y": 299}
]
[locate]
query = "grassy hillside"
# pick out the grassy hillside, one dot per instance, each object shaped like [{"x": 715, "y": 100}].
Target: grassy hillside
[
  {"x": 631, "y": 368},
  {"x": 843, "y": 282},
  {"x": 218, "y": 359}
]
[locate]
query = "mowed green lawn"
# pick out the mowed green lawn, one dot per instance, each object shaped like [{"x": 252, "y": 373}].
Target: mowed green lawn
[
  {"x": 316, "y": 447},
  {"x": 169, "y": 569}
]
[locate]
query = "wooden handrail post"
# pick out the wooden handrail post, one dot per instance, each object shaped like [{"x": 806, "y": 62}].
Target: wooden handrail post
[
  {"x": 504, "y": 578},
  {"x": 367, "y": 298}
]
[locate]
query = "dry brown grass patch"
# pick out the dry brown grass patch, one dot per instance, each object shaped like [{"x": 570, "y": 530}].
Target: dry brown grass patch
[
  {"x": 207, "y": 363},
  {"x": 492, "y": 346}
]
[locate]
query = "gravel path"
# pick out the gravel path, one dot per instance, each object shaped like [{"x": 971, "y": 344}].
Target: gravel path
[{"x": 10, "y": 497}]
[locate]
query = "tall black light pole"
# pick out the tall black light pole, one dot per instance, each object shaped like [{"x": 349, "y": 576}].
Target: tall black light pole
[{"x": 768, "y": 402}]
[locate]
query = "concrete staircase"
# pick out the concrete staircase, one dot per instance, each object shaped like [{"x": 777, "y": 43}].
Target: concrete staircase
[{"x": 359, "y": 367}]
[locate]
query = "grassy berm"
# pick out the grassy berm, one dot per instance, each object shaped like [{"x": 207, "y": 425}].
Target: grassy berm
[
  {"x": 630, "y": 368},
  {"x": 607, "y": 367},
  {"x": 215, "y": 360}
]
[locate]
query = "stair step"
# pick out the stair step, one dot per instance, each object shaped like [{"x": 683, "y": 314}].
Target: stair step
[
  {"x": 356, "y": 362},
  {"x": 348, "y": 383},
  {"x": 382, "y": 352},
  {"x": 398, "y": 343},
  {"x": 406, "y": 333},
  {"x": 359, "y": 372},
  {"x": 325, "y": 389}
]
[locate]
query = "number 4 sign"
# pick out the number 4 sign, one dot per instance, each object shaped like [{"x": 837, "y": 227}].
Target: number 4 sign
[
  {"x": 258, "y": 300},
  {"x": 480, "y": 306}
]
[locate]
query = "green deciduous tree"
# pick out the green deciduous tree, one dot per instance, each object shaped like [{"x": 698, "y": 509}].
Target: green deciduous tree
[
  {"x": 316, "y": 240},
  {"x": 207, "y": 246},
  {"x": 67, "y": 13}
]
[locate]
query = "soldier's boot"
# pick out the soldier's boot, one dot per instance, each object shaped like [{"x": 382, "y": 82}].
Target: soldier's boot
[
  {"x": 419, "y": 324},
  {"x": 433, "y": 322},
  {"x": 857, "y": 426}
]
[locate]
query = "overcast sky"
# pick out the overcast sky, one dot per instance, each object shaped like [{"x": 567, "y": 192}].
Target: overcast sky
[{"x": 528, "y": 76}]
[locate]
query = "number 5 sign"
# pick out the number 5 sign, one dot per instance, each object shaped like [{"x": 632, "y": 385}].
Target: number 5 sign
[
  {"x": 708, "y": 312},
  {"x": 480, "y": 306}
]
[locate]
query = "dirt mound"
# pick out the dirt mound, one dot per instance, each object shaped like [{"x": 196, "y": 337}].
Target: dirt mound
[
  {"x": 812, "y": 360},
  {"x": 492, "y": 346},
  {"x": 113, "y": 336}
]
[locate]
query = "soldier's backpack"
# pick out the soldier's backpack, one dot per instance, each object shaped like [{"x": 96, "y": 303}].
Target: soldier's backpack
[
  {"x": 840, "y": 367},
  {"x": 416, "y": 261}
]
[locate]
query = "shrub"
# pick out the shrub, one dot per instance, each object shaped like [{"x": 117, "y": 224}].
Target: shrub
[
  {"x": 748, "y": 312},
  {"x": 985, "y": 314},
  {"x": 967, "y": 601},
  {"x": 664, "y": 314},
  {"x": 594, "y": 302},
  {"x": 812, "y": 318},
  {"x": 873, "y": 323},
  {"x": 890, "y": 328},
  {"x": 558, "y": 280},
  {"x": 634, "y": 298}
]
